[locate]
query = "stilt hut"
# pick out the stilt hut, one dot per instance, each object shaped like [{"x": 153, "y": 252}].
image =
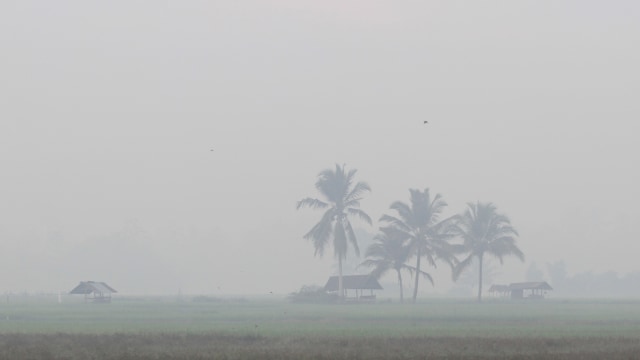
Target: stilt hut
[
  {"x": 356, "y": 287},
  {"x": 94, "y": 291},
  {"x": 529, "y": 290},
  {"x": 502, "y": 291}
]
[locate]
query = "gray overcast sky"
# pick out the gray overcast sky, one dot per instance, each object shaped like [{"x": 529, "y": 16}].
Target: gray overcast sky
[{"x": 108, "y": 112}]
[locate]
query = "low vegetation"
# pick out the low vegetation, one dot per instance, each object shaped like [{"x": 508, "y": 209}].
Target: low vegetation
[
  {"x": 224, "y": 346},
  {"x": 166, "y": 328},
  {"x": 310, "y": 294}
]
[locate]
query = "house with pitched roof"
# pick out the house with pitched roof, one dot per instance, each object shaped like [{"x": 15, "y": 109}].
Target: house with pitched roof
[{"x": 94, "y": 291}]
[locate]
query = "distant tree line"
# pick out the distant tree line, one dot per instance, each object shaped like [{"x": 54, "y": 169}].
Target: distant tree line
[
  {"x": 414, "y": 232},
  {"x": 589, "y": 284}
]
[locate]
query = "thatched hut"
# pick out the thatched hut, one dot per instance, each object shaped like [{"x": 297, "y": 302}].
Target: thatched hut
[
  {"x": 358, "y": 284},
  {"x": 529, "y": 290},
  {"x": 94, "y": 291},
  {"x": 499, "y": 290}
]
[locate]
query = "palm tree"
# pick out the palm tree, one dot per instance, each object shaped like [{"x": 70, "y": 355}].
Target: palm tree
[
  {"x": 420, "y": 224},
  {"x": 390, "y": 251},
  {"x": 341, "y": 200},
  {"x": 483, "y": 230}
]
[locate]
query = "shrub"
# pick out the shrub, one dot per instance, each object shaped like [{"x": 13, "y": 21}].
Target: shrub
[{"x": 313, "y": 294}]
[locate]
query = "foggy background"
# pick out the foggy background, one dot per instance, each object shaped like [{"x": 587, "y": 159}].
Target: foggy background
[{"x": 109, "y": 110}]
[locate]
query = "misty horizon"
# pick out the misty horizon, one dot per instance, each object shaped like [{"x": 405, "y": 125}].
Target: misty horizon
[{"x": 109, "y": 113}]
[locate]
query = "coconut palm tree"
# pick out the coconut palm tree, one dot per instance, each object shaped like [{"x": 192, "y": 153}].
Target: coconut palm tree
[
  {"x": 419, "y": 223},
  {"x": 484, "y": 231},
  {"x": 341, "y": 201},
  {"x": 390, "y": 251}
]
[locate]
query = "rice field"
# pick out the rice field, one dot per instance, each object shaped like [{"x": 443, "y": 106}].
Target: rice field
[{"x": 160, "y": 328}]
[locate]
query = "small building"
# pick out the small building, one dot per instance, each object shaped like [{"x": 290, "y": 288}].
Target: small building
[
  {"x": 356, "y": 287},
  {"x": 94, "y": 291},
  {"x": 500, "y": 290},
  {"x": 529, "y": 290}
]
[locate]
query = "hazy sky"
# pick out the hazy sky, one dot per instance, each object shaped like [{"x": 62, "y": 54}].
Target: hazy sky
[{"x": 109, "y": 110}]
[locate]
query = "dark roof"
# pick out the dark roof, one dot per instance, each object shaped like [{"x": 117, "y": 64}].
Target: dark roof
[
  {"x": 353, "y": 282},
  {"x": 499, "y": 288},
  {"x": 88, "y": 287},
  {"x": 540, "y": 285}
]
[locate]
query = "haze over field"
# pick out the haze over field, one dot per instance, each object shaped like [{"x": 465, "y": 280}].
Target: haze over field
[{"x": 109, "y": 112}]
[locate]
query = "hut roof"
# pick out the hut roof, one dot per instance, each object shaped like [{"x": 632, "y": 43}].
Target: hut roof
[
  {"x": 353, "y": 282},
  {"x": 499, "y": 288},
  {"x": 88, "y": 287},
  {"x": 540, "y": 285}
]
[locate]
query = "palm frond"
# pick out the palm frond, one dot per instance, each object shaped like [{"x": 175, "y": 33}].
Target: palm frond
[
  {"x": 352, "y": 203},
  {"x": 429, "y": 255},
  {"x": 436, "y": 207},
  {"x": 357, "y": 191},
  {"x": 425, "y": 274},
  {"x": 462, "y": 265},
  {"x": 312, "y": 203},
  {"x": 360, "y": 214},
  {"x": 428, "y": 277},
  {"x": 404, "y": 211},
  {"x": 380, "y": 267},
  {"x": 395, "y": 222},
  {"x": 388, "y": 233},
  {"x": 376, "y": 250},
  {"x": 320, "y": 233},
  {"x": 504, "y": 246},
  {"x": 389, "y": 251}
]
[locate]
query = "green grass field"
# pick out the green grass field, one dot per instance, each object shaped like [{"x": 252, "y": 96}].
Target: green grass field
[{"x": 166, "y": 328}]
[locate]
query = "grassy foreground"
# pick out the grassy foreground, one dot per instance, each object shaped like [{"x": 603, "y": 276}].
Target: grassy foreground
[{"x": 163, "y": 329}]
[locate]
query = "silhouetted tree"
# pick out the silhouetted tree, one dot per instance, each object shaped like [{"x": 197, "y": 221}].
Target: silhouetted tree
[
  {"x": 470, "y": 276},
  {"x": 351, "y": 264},
  {"x": 341, "y": 200},
  {"x": 390, "y": 251},
  {"x": 419, "y": 223},
  {"x": 534, "y": 273},
  {"x": 484, "y": 231}
]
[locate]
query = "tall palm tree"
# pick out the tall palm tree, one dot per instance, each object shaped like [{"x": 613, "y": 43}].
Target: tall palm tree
[
  {"x": 390, "y": 251},
  {"x": 419, "y": 223},
  {"x": 484, "y": 231},
  {"x": 341, "y": 201}
]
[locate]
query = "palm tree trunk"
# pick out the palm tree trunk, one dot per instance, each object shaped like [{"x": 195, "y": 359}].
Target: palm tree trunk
[
  {"x": 340, "y": 287},
  {"x": 480, "y": 279},
  {"x": 415, "y": 288},
  {"x": 400, "y": 283}
]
